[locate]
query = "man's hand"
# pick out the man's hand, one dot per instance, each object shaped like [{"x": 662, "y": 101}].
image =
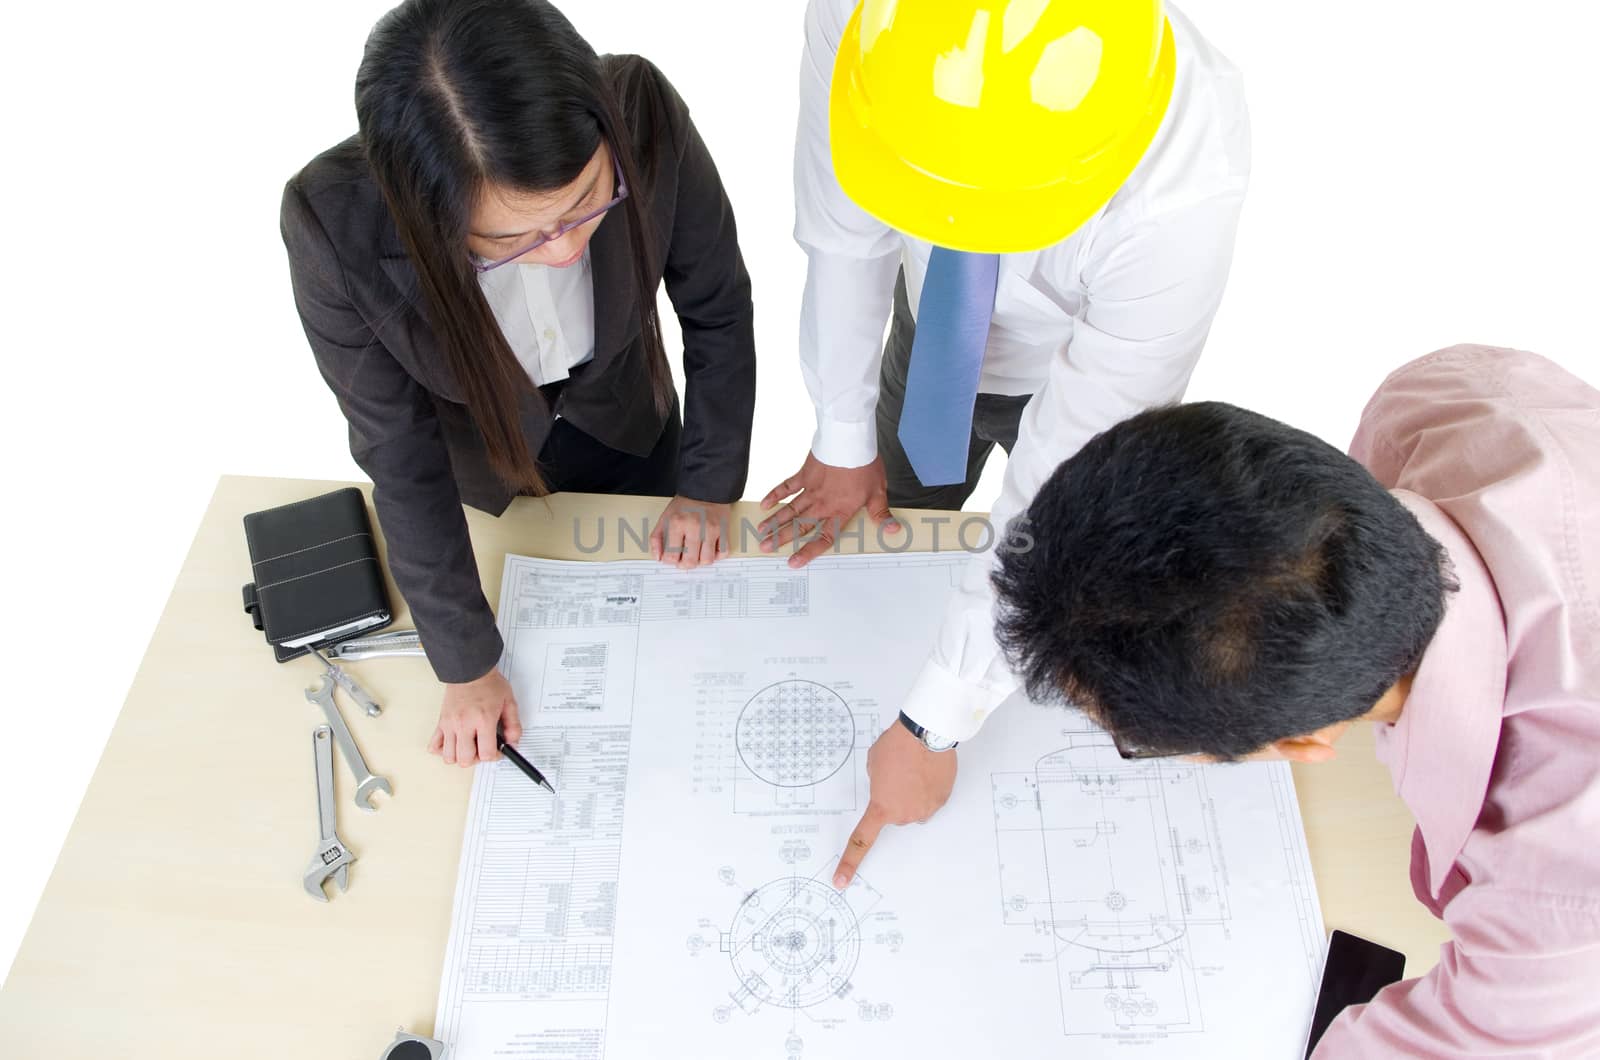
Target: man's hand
[
  {"x": 690, "y": 533},
  {"x": 469, "y": 716},
  {"x": 825, "y": 497},
  {"x": 909, "y": 784}
]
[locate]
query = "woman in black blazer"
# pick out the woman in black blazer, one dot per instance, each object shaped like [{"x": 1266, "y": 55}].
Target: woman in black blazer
[{"x": 477, "y": 271}]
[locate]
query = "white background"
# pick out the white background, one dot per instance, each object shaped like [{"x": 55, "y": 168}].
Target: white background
[{"x": 1425, "y": 173}]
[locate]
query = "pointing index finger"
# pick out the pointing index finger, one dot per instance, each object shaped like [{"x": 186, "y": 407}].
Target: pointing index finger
[{"x": 861, "y": 841}]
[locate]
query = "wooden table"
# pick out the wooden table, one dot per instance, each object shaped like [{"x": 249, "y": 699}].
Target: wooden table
[{"x": 175, "y": 926}]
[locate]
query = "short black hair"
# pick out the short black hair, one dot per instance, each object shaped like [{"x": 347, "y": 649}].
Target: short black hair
[{"x": 1202, "y": 579}]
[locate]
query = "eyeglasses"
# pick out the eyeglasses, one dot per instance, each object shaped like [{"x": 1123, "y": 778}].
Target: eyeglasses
[
  {"x": 481, "y": 265},
  {"x": 1132, "y": 753}
]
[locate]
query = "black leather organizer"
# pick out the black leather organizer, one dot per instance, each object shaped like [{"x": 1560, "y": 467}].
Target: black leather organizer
[{"x": 317, "y": 576}]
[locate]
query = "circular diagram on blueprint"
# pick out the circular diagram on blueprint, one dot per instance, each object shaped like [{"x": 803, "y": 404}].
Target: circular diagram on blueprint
[
  {"x": 794, "y": 734},
  {"x": 794, "y": 942}
]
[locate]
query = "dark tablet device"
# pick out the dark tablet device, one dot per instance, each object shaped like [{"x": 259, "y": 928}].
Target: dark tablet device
[{"x": 1353, "y": 974}]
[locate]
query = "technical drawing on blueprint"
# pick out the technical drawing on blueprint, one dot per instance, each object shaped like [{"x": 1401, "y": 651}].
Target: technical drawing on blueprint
[
  {"x": 794, "y": 943},
  {"x": 1120, "y": 865},
  {"x": 708, "y": 733}
]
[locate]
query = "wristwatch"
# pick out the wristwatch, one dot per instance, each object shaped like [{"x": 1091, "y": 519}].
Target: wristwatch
[{"x": 930, "y": 739}]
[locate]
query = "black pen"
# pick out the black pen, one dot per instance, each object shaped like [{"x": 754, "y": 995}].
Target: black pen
[{"x": 521, "y": 763}]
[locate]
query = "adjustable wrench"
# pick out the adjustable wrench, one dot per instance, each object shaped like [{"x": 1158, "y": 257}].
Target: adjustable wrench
[
  {"x": 332, "y": 859},
  {"x": 366, "y": 782}
]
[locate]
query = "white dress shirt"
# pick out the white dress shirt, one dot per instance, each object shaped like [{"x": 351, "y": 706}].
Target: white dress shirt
[
  {"x": 546, "y": 314},
  {"x": 1098, "y": 327}
]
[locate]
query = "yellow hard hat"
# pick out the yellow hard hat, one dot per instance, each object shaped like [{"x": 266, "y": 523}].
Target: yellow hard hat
[{"x": 996, "y": 126}]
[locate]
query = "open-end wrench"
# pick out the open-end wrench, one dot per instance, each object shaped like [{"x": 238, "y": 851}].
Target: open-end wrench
[
  {"x": 366, "y": 783},
  {"x": 332, "y": 859}
]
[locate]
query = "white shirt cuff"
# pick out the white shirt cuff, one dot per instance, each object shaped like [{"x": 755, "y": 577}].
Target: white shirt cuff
[
  {"x": 947, "y": 706},
  {"x": 845, "y": 443}
]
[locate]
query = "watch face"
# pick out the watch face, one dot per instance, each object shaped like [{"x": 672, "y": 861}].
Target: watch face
[{"x": 934, "y": 742}]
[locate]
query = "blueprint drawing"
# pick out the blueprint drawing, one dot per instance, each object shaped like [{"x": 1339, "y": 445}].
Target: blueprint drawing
[{"x": 707, "y": 732}]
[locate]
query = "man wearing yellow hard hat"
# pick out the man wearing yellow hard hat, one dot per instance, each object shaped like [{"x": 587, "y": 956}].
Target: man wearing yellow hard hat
[{"x": 1056, "y": 184}]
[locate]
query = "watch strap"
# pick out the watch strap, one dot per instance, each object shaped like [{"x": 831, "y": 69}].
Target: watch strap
[{"x": 921, "y": 733}]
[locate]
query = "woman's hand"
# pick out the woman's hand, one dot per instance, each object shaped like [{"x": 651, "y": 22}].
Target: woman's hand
[
  {"x": 690, "y": 533},
  {"x": 469, "y": 717}
]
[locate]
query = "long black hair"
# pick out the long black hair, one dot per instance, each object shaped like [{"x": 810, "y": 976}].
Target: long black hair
[{"x": 454, "y": 96}]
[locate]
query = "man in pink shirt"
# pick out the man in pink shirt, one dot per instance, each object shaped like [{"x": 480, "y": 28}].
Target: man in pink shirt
[{"x": 1205, "y": 581}]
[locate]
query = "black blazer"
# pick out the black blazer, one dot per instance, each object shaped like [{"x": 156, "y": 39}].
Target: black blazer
[{"x": 363, "y": 312}]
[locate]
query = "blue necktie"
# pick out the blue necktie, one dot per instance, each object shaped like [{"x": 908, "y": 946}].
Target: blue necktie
[{"x": 946, "y": 361}]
